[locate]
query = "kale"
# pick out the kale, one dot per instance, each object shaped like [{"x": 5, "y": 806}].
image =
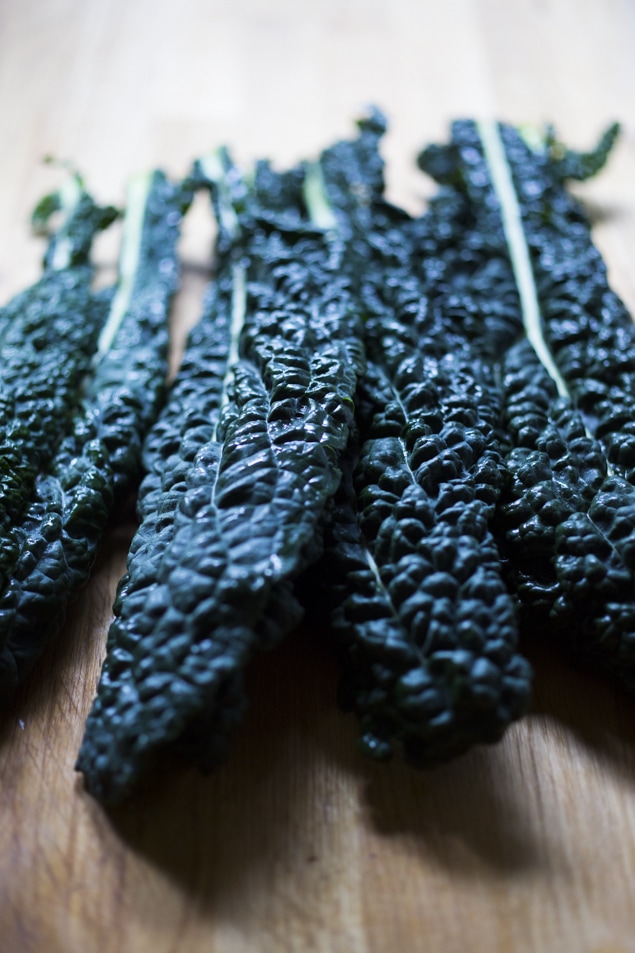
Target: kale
[
  {"x": 48, "y": 334},
  {"x": 585, "y": 336},
  {"x": 240, "y": 467},
  {"x": 427, "y": 628},
  {"x": 485, "y": 478},
  {"x": 425, "y": 625},
  {"x": 565, "y": 520},
  {"x": 98, "y": 460},
  {"x": 76, "y": 219},
  {"x": 587, "y": 327},
  {"x": 565, "y": 525}
]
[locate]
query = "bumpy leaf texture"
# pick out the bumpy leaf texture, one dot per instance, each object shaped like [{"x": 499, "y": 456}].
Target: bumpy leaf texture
[
  {"x": 424, "y": 621},
  {"x": 241, "y": 465},
  {"x": 585, "y": 325},
  {"x": 48, "y": 334},
  {"x": 98, "y": 461},
  {"x": 565, "y": 521}
]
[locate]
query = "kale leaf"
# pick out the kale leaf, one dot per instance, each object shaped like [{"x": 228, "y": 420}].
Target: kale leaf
[
  {"x": 565, "y": 521},
  {"x": 241, "y": 465},
  {"x": 425, "y": 625},
  {"x": 98, "y": 460}
]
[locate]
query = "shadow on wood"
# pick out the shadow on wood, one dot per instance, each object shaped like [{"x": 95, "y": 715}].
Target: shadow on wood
[{"x": 295, "y": 786}]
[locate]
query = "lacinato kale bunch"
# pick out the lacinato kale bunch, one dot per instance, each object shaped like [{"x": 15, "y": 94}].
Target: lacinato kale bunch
[
  {"x": 566, "y": 520},
  {"x": 98, "y": 459},
  {"x": 444, "y": 404},
  {"x": 240, "y": 467},
  {"x": 425, "y": 625}
]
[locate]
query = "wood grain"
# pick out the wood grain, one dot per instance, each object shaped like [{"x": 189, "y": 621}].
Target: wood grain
[{"x": 297, "y": 844}]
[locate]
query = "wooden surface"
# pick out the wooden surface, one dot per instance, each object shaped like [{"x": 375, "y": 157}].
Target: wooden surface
[{"x": 297, "y": 844}]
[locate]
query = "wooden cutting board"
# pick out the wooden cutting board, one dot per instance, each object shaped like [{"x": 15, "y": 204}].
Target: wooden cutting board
[{"x": 298, "y": 844}]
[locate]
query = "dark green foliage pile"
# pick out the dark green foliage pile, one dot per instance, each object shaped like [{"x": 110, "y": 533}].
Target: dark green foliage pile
[
  {"x": 470, "y": 494},
  {"x": 367, "y": 420}
]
